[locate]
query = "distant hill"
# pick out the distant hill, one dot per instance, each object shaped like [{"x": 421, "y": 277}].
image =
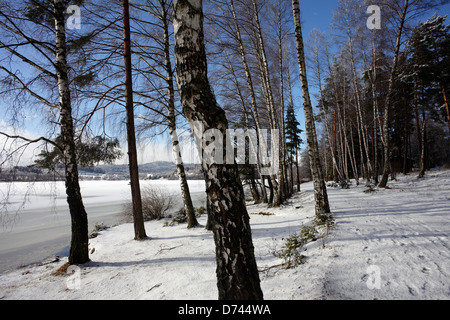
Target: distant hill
[{"x": 153, "y": 170}]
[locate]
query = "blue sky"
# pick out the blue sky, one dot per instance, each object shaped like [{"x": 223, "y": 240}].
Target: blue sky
[
  {"x": 319, "y": 14},
  {"x": 315, "y": 14}
]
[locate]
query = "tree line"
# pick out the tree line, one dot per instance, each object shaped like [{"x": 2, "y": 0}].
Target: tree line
[
  {"x": 141, "y": 68},
  {"x": 382, "y": 93}
]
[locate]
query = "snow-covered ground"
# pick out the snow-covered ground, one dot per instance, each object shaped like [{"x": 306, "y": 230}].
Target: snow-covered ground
[{"x": 388, "y": 244}]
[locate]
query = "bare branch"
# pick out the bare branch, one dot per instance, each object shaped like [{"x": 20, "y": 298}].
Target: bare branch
[
  {"x": 25, "y": 59},
  {"x": 53, "y": 143},
  {"x": 26, "y": 88}
]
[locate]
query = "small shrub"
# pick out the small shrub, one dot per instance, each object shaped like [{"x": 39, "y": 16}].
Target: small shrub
[
  {"x": 309, "y": 233},
  {"x": 155, "y": 204},
  {"x": 97, "y": 228},
  {"x": 344, "y": 184},
  {"x": 324, "y": 219},
  {"x": 332, "y": 184},
  {"x": 181, "y": 217},
  {"x": 370, "y": 188},
  {"x": 290, "y": 251},
  {"x": 199, "y": 211}
]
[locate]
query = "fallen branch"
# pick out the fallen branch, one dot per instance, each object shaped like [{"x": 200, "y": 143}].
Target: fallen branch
[
  {"x": 271, "y": 267},
  {"x": 167, "y": 249},
  {"x": 155, "y": 286}
]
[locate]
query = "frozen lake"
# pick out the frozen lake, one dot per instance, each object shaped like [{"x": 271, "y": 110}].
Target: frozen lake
[{"x": 35, "y": 219}]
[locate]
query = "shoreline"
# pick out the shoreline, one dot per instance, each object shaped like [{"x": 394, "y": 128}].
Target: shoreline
[{"x": 41, "y": 230}]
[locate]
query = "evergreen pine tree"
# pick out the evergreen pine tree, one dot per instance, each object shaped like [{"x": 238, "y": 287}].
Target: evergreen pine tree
[
  {"x": 293, "y": 132},
  {"x": 293, "y": 142}
]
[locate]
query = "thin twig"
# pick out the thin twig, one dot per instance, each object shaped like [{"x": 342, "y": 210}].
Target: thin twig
[
  {"x": 271, "y": 267},
  {"x": 155, "y": 286},
  {"x": 167, "y": 249}
]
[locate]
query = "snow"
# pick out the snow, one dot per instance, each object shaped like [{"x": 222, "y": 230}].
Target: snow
[{"x": 388, "y": 244}]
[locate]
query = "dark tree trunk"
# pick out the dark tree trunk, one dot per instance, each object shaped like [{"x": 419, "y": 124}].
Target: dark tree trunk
[
  {"x": 79, "y": 252},
  {"x": 237, "y": 273},
  {"x": 386, "y": 165},
  {"x": 254, "y": 189},
  {"x": 138, "y": 218},
  {"x": 447, "y": 108}
]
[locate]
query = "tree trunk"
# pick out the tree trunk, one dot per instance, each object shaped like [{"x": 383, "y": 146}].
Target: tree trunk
[
  {"x": 284, "y": 189},
  {"x": 386, "y": 165},
  {"x": 362, "y": 131},
  {"x": 171, "y": 118},
  {"x": 422, "y": 152},
  {"x": 79, "y": 252},
  {"x": 246, "y": 115},
  {"x": 375, "y": 135},
  {"x": 320, "y": 191},
  {"x": 375, "y": 110},
  {"x": 446, "y": 106},
  {"x": 327, "y": 128},
  {"x": 139, "y": 229},
  {"x": 254, "y": 188},
  {"x": 270, "y": 104},
  {"x": 254, "y": 105},
  {"x": 237, "y": 273},
  {"x": 297, "y": 170},
  {"x": 185, "y": 193},
  {"x": 264, "y": 189}
]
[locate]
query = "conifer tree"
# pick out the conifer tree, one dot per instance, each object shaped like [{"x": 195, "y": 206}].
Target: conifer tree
[{"x": 293, "y": 139}]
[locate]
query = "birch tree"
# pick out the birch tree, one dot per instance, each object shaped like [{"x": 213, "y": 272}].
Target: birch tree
[
  {"x": 318, "y": 44},
  {"x": 322, "y": 206},
  {"x": 386, "y": 165},
  {"x": 159, "y": 62},
  {"x": 237, "y": 273},
  {"x": 48, "y": 16}
]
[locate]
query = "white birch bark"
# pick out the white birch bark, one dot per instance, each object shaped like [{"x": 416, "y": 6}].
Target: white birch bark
[
  {"x": 320, "y": 192},
  {"x": 237, "y": 273},
  {"x": 79, "y": 243}
]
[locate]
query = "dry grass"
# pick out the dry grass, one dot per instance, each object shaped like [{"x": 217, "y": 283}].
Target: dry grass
[{"x": 61, "y": 270}]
